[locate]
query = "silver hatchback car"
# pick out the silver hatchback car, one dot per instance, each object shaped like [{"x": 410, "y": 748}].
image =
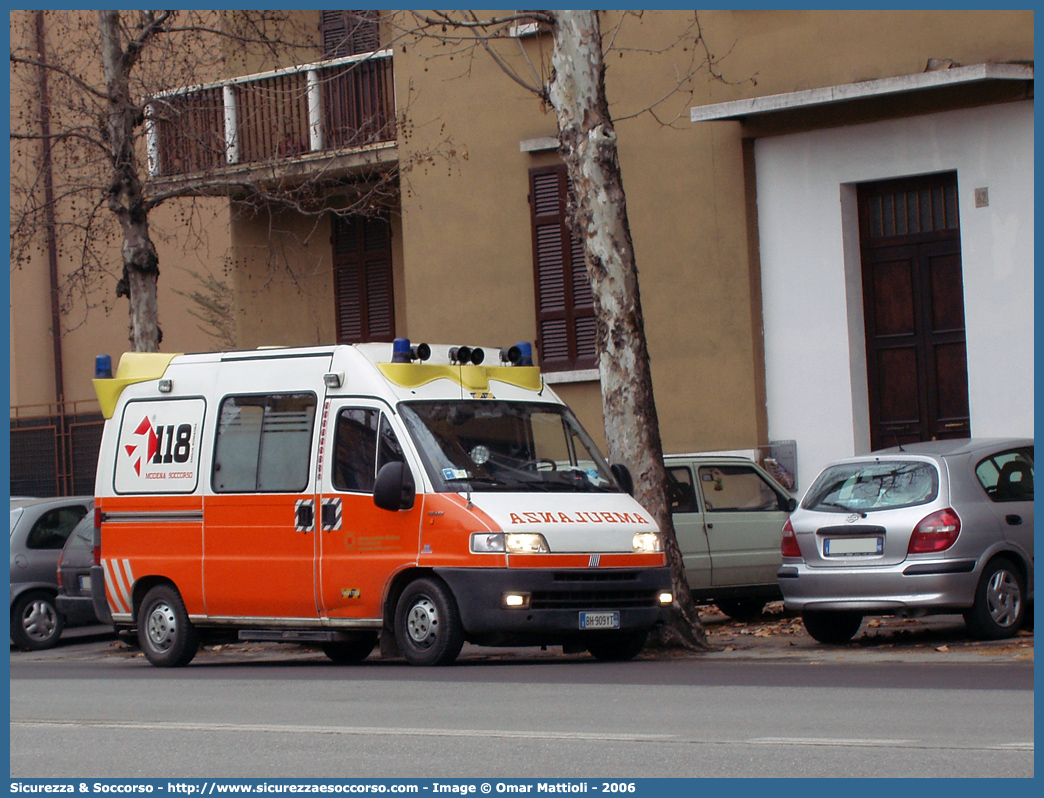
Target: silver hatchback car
[
  {"x": 39, "y": 529},
  {"x": 938, "y": 527}
]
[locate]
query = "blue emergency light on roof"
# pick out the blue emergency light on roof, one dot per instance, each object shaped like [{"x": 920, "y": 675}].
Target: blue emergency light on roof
[
  {"x": 103, "y": 367},
  {"x": 402, "y": 352}
]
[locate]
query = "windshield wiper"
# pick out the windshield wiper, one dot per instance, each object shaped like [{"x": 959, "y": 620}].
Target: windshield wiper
[
  {"x": 844, "y": 507},
  {"x": 485, "y": 480}
]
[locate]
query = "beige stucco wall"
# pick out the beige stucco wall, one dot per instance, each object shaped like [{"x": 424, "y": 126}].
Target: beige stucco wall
[
  {"x": 470, "y": 226},
  {"x": 190, "y": 235}
]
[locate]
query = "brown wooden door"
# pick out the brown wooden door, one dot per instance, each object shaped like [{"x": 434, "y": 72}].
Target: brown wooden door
[{"x": 913, "y": 300}]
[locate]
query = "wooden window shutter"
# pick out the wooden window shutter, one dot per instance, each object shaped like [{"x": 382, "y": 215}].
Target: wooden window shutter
[
  {"x": 566, "y": 329},
  {"x": 348, "y": 32},
  {"x": 365, "y": 303}
]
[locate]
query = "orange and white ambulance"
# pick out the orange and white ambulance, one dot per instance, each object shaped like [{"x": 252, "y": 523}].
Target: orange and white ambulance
[{"x": 345, "y": 495}]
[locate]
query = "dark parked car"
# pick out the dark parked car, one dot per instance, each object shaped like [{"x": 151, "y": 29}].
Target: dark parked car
[
  {"x": 39, "y": 529},
  {"x": 74, "y": 575},
  {"x": 938, "y": 527}
]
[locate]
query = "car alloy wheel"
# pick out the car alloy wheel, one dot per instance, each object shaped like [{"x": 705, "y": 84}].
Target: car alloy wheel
[
  {"x": 1004, "y": 598},
  {"x": 35, "y": 622},
  {"x": 1000, "y": 606}
]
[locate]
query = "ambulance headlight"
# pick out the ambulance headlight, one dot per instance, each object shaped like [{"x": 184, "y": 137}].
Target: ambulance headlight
[
  {"x": 509, "y": 543},
  {"x": 487, "y": 542},
  {"x": 646, "y": 542},
  {"x": 665, "y": 597}
]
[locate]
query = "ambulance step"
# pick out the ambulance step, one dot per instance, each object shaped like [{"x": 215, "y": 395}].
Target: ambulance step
[{"x": 292, "y": 635}]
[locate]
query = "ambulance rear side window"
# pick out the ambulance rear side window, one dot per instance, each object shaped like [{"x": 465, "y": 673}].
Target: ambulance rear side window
[{"x": 264, "y": 443}]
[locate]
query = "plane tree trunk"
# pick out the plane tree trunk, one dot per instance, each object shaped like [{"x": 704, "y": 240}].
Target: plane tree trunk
[
  {"x": 598, "y": 217},
  {"x": 124, "y": 195}
]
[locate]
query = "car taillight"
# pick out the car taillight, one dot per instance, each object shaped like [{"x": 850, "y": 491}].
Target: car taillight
[
  {"x": 937, "y": 532},
  {"x": 788, "y": 545},
  {"x": 59, "y": 573}
]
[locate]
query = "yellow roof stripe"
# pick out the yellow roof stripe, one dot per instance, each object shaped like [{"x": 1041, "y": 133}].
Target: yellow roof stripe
[
  {"x": 134, "y": 367},
  {"x": 471, "y": 378}
]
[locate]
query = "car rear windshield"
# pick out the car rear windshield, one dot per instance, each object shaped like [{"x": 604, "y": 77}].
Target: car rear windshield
[{"x": 875, "y": 485}]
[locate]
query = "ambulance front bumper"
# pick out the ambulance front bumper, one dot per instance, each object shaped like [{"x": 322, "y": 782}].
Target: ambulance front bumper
[{"x": 558, "y": 603}]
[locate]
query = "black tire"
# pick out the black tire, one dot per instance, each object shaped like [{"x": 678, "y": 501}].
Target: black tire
[
  {"x": 742, "y": 609},
  {"x": 1000, "y": 602},
  {"x": 166, "y": 635},
  {"x": 350, "y": 652},
  {"x": 36, "y": 623},
  {"x": 617, "y": 646},
  {"x": 427, "y": 623},
  {"x": 838, "y": 626}
]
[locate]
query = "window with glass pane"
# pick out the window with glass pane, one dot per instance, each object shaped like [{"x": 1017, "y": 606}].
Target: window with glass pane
[
  {"x": 1008, "y": 476},
  {"x": 52, "y": 530},
  {"x": 264, "y": 443},
  {"x": 355, "y": 449},
  {"x": 681, "y": 491},
  {"x": 735, "y": 488}
]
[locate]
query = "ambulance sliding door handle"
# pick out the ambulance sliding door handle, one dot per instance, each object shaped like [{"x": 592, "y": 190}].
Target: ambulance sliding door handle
[{"x": 305, "y": 518}]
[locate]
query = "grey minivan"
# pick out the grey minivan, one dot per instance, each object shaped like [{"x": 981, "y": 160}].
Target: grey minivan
[
  {"x": 937, "y": 527},
  {"x": 39, "y": 529}
]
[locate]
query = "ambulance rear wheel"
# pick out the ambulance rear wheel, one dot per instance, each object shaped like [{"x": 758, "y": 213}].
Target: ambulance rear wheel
[
  {"x": 617, "y": 646},
  {"x": 427, "y": 623},
  {"x": 166, "y": 636},
  {"x": 349, "y": 652}
]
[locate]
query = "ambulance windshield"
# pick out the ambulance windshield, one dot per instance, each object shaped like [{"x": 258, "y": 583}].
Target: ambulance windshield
[{"x": 491, "y": 445}]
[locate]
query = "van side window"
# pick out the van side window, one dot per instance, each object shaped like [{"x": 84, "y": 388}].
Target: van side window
[
  {"x": 355, "y": 449},
  {"x": 264, "y": 443},
  {"x": 363, "y": 442},
  {"x": 389, "y": 450}
]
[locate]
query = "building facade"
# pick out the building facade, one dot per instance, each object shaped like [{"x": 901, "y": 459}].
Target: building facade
[{"x": 832, "y": 218}]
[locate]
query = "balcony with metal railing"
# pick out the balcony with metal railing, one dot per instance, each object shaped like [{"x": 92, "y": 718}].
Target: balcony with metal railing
[{"x": 330, "y": 116}]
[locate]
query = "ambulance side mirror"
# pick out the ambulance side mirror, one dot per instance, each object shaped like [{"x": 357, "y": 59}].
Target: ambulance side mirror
[
  {"x": 623, "y": 476},
  {"x": 394, "y": 489}
]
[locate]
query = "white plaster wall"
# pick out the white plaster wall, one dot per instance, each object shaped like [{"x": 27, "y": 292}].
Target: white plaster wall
[{"x": 812, "y": 297}]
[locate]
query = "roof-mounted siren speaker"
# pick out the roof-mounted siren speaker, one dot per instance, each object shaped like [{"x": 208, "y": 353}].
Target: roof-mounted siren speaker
[
  {"x": 403, "y": 352},
  {"x": 462, "y": 355},
  {"x": 521, "y": 354}
]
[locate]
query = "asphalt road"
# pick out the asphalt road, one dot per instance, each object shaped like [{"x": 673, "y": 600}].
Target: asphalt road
[{"x": 902, "y": 701}]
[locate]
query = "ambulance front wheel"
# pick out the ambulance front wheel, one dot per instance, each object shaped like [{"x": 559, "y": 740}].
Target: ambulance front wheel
[
  {"x": 166, "y": 636},
  {"x": 427, "y": 623}
]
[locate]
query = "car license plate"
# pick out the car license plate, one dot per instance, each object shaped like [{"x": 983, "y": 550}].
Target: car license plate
[
  {"x": 846, "y": 547},
  {"x": 85, "y": 582},
  {"x": 599, "y": 620}
]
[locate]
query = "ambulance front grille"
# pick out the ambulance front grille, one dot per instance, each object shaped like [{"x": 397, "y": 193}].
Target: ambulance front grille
[
  {"x": 594, "y": 575},
  {"x": 582, "y": 599}
]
